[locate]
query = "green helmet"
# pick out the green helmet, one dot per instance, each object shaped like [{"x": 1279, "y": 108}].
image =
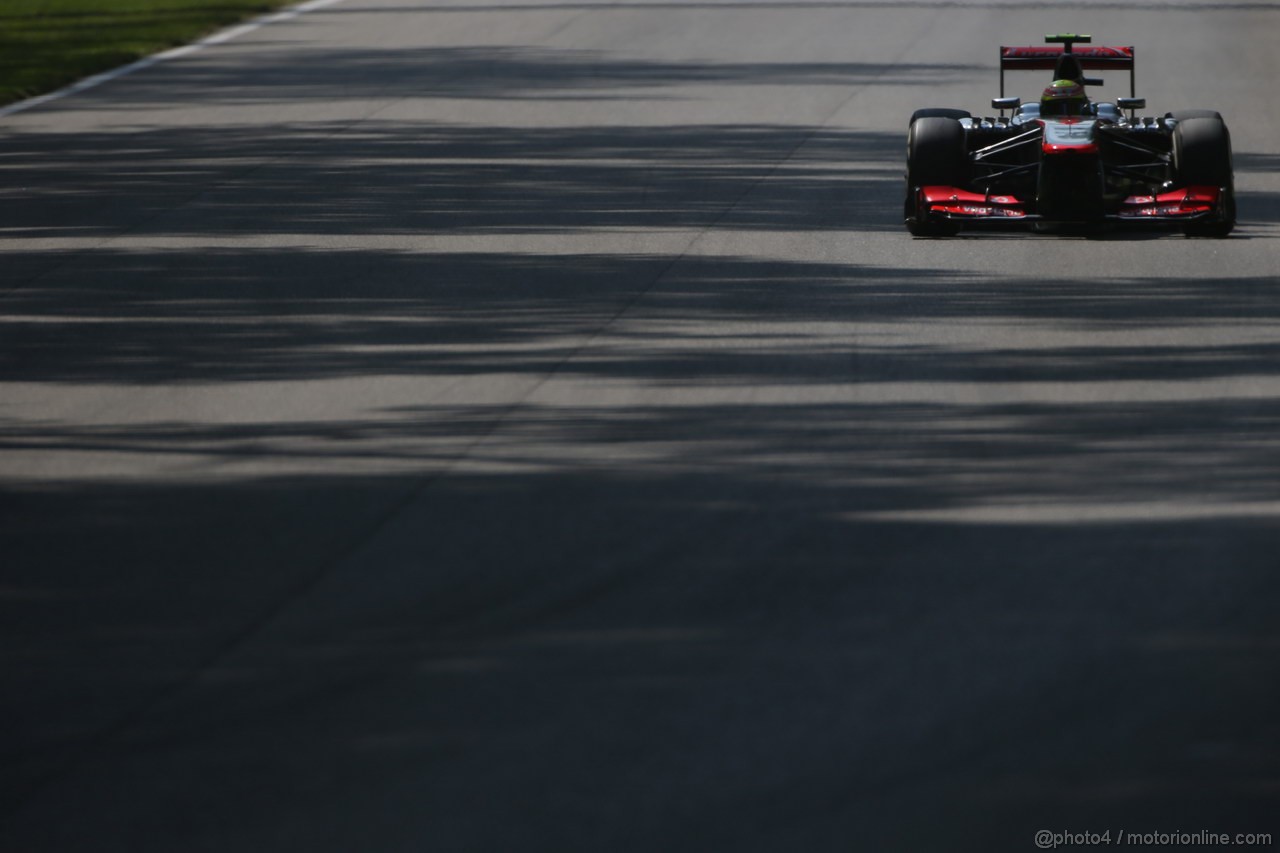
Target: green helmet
[{"x": 1063, "y": 98}]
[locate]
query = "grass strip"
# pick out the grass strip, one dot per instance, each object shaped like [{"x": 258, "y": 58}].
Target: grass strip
[{"x": 48, "y": 44}]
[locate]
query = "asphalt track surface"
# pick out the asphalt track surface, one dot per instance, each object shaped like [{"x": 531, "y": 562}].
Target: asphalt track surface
[{"x": 527, "y": 426}]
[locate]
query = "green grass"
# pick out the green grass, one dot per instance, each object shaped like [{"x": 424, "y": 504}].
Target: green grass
[{"x": 46, "y": 44}]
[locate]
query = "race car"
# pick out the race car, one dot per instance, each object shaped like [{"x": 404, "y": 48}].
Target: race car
[{"x": 1064, "y": 159}]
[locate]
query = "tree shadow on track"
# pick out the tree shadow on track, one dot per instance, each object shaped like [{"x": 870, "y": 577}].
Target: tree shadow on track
[
  {"x": 858, "y": 605},
  {"x": 423, "y": 179},
  {"x": 865, "y": 595},
  {"x": 265, "y": 315}
]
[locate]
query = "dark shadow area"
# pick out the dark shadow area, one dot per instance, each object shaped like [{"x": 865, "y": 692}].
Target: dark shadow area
[
  {"x": 748, "y": 637},
  {"x": 384, "y": 178},
  {"x": 764, "y": 624},
  {"x": 221, "y": 315}
]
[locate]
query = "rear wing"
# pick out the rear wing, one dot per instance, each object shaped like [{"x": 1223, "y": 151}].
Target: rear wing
[{"x": 1066, "y": 62}]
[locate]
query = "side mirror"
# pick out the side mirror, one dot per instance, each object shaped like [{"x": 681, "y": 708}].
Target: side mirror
[
  {"x": 1003, "y": 104},
  {"x": 1131, "y": 103}
]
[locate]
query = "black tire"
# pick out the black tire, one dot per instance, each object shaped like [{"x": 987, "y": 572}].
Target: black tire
[
  {"x": 1202, "y": 157},
  {"x": 938, "y": 112},
  {"x": 936, "y": 154}
]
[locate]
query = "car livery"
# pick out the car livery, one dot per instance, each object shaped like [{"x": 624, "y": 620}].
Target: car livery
[{"x": 1105, "y": 165}]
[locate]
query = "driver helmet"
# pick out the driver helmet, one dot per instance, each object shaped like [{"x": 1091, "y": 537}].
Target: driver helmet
[{"x": 1063, "y": 98}]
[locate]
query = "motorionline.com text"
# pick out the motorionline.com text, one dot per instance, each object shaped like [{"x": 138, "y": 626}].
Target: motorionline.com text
[{"x": 1050, "y": 840}]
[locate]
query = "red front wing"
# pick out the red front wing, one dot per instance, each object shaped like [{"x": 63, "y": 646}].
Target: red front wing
[{"x": 959, "y": 205}]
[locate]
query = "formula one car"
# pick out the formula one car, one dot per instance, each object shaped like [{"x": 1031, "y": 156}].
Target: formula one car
[{"x": 1064, "y": 159}]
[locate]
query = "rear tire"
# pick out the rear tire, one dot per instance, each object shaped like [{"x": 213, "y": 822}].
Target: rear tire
[
  {"x": 1202, "y": 157},
  {"x": 936, "y": 155}
]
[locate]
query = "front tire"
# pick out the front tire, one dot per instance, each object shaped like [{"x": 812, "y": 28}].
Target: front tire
[
  {"x": 1202, "y": 157},
  {"x": 936, "y": 155}
]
